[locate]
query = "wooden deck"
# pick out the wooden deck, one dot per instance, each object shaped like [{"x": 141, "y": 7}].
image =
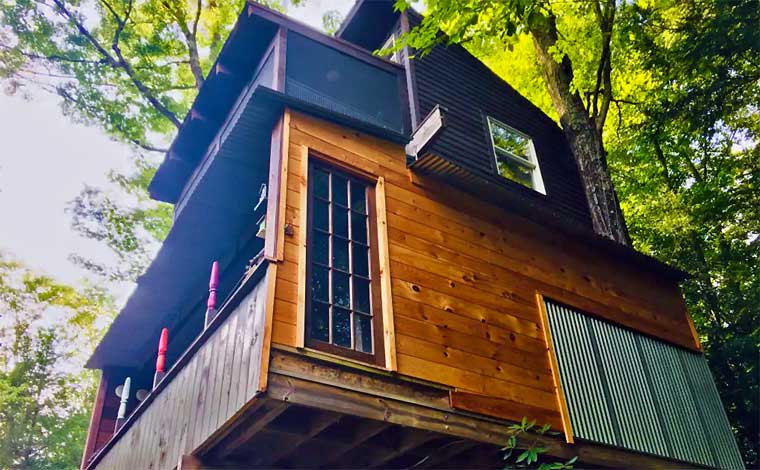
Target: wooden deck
[
  {"x": 319, "y": 414},
  {"x": 209, "y": 385}
]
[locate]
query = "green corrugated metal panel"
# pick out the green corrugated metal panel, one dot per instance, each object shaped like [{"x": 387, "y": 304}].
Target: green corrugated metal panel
[
  {"x": 679, "y": 411},
  {"x": 582, "y": 384},
  {"x": 713, "y": 415},
  {"x": 631, "y": 400},
  {"x": 631, "y": 391}
]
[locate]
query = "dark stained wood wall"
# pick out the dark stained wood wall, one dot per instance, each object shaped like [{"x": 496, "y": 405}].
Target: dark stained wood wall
[
  {"x": 221, "y": 377},
  {"x": 108, "y": 416},
  {"x": 464, "y": 280},
  {"x": 453, "y": 78}
]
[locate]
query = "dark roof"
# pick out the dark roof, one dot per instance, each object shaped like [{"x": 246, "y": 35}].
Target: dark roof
[
  {"x": 368, "y": 22},
  {"x": 231, "y": 72}
]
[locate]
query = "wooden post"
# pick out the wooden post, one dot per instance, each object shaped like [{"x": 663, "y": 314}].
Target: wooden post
[
  {"x": 123, "y": 404},
  {"x": 213, "y": 283},
  {"x": 189, "y": 462},
  {"x": 163, "y": 342},
  {"x": 97, "y": 413}
]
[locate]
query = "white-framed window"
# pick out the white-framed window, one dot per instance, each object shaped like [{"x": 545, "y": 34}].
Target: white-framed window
[
  {"x": 390, "y": 42},
  {"x": 515, "y": 155}
]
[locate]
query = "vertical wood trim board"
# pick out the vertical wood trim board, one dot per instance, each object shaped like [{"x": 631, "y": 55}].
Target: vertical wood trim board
[
  {"x": 97, "y": 413},
  {"x": 690, "y": 322},
  {"x": 561, "y": 402},
  {"x": 280, "y": 56},
  {"x": 271, "y": 280},
  {"x": 284, "y": 151},
  {"x": 273, "y": 234},
  {"x": 303, "y": 188},
  {"x": 386, "y": 295}
]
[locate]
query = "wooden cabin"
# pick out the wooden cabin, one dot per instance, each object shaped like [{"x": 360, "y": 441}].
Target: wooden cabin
[{"x": 406, "y": 267}]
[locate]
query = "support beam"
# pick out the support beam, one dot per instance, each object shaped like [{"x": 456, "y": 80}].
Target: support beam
[
  {"x": 97, "y": 413},
  {"x": 445, "y": 453},
  {"x": 322, "y": 421},
  {"x": 190, "y": 462},
  {"x": 258, "y": 421},
  {"x": 412, "y": 440},
  {"x": 363, "y": 433},
  {"x": 193, "y": 462},
  {"x": 297, "y": 391}
]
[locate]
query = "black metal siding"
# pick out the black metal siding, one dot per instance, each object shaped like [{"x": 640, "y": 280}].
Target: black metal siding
[{"x": 453, "y": 78}]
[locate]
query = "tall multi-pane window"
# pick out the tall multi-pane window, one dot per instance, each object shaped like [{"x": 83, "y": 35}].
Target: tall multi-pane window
[{"x": 342, "y": 265}]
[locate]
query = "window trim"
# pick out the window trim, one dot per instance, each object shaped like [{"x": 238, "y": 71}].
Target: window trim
[
  {"x": 532, "y": 163},
  {"x": 389, "y": 42},
  {"x": 377, "y": 357}
]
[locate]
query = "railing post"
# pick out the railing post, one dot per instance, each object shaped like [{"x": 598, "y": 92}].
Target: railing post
[
  {"x": 212, "y": 286},
  {"x": 163, "y": 342},
  {"x": 123, "y": 404}
]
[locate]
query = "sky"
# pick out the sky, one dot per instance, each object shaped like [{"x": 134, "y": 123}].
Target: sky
[{"x": 46, "y": 160}]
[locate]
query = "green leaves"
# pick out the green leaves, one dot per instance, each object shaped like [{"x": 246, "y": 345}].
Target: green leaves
[
  {"x": 46, "y": 331},
  {"x": 526, "y": 431},
  {"x": 681, "y": 137},
  {"x": 130, "y": 67}
]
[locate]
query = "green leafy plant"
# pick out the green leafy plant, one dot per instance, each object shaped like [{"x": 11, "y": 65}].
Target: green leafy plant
[{"x": 530, "y": 457}]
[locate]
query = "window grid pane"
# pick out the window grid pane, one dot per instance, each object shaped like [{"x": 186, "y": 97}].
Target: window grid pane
[{"x": 345, "y": 229}]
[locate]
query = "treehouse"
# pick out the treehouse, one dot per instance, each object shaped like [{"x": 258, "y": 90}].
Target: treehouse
[{"x": 386, "y": 262}]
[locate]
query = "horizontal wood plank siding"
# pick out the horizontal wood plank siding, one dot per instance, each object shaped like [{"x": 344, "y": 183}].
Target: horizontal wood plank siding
[
  {"x": 211, "y": 387},
  {"x": 469, "y": 91},
  {"x": 464, "y": 276}
]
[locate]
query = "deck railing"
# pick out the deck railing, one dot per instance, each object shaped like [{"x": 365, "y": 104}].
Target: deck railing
[{"x": 217, "y": 375}]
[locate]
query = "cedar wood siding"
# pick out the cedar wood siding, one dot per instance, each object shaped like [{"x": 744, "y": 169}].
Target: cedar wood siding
[
  {"x": 464, "y": 276},
  {"x": 453, "y": 78}
]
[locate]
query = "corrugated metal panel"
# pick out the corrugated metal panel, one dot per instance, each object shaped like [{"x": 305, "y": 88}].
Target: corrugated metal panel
[
  {"x": 678, "y": 408},
  {"x": 628, "y": 390},
  {"x": 632, "y": 403},
  {"x": 714, "y": 419},
  {"x": 581, "y": 377}
]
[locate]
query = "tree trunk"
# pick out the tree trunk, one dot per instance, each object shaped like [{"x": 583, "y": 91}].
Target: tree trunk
[{"x": 582, "y": 135}]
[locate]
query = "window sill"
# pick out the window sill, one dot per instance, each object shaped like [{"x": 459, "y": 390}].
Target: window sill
[{"x": 335, "y": 359}]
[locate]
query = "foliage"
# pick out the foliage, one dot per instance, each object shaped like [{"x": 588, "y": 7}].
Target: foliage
[
  {"x": 45, "y": 328},
  {"x": 131, "y": 229},
  {"x": 130, "y": 67},
  {"x": 530, "y": 456},
  {"x": 682, "y": 148},
  {"x": 331, "y": 21},
  {"x": 687, "y": 164}
]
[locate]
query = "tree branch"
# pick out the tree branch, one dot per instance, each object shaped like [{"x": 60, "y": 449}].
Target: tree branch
[
  {"x": 116, "y": 124},
  {"x": 67, "y": 14},
  {"x": 197, "y": 19},
  {"x": 663, "y": 162},
  {"x": 191, "y": 41},
  {"x": 118, "y": 61},
  {"x": 606, "y": 19},
  {"x": 147, "y": 147},
  {"x": 54, "y": 57}
]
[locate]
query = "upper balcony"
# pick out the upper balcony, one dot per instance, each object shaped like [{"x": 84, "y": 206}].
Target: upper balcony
[
  {"x": 271, "y": 61},
  {"x": 220, "y": 159}
]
